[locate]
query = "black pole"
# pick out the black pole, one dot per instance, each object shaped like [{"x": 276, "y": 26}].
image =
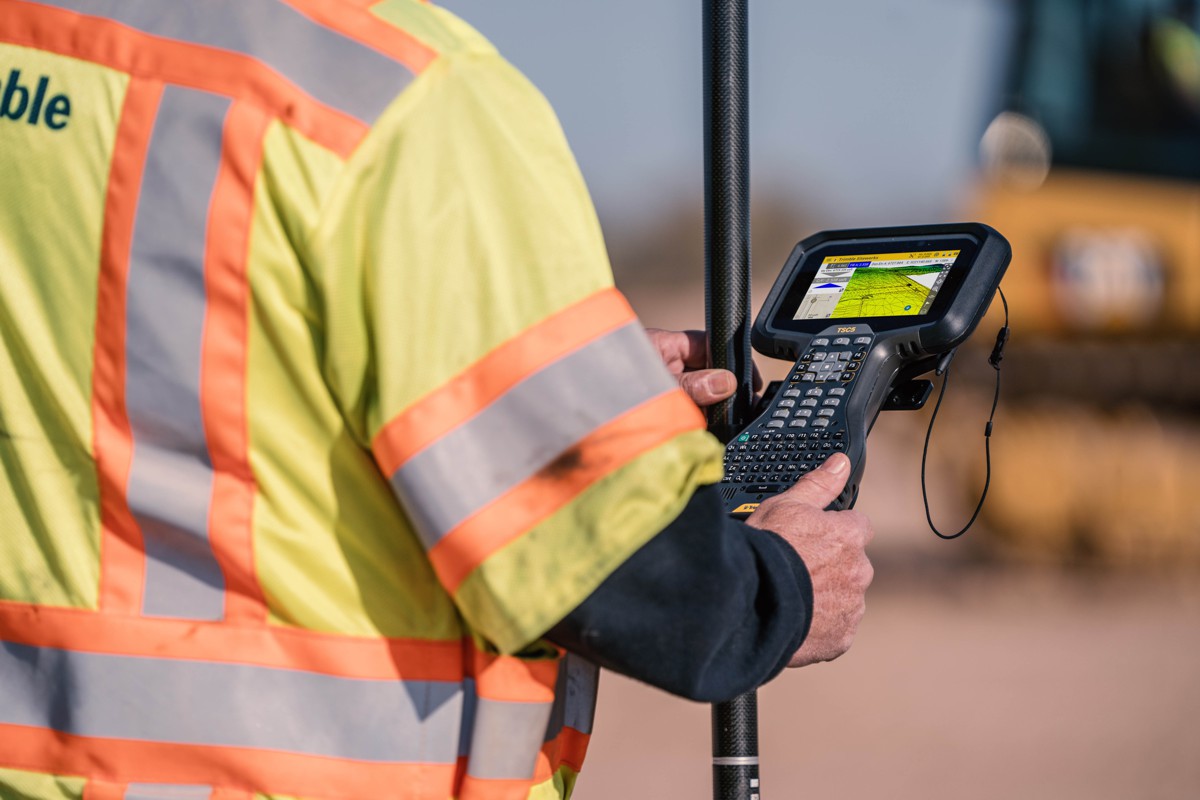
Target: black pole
[
  {"x": 727, "y": 206},
  {"x": 727, "y": 300}
]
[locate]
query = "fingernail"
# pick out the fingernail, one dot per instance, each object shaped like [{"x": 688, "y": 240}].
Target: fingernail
[
  {"x": 837, "y": 465},
  {"x": 722, "y": 383}
]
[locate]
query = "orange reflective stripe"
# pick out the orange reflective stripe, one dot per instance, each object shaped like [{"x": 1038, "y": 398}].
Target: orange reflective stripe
[
  {"x": 102, "y": 790},
  {"x": 605, "y": 450},
  {"x": 466, "y": 394},
  {"x": 223, "y": 361},
  {"x": 480, "y": 789},
  {"x": 356, "y": 21},
  {"x": 118, "y": 760},
  {"x": 572, "y": 747},
  {"x": 266, "y": 646},
  {"x": 567, "y": 749},
  {"x": 210, "y": 69},
  {"x": 222, "y": 793},
  {"x": 512, "y": 679},
  {"x": 121, "y": 560}
]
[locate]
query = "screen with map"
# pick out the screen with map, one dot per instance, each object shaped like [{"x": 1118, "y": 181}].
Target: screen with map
[{"x": 876, "y": 285}]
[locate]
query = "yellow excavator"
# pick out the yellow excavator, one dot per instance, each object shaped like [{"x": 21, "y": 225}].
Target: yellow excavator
[{"x": 1093, "y": 174}]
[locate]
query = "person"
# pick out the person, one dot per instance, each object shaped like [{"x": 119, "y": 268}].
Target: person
[{"x": 333, "y": 462}]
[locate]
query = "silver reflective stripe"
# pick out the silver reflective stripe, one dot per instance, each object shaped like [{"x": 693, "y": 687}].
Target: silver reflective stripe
[
  {"x": 506, "y": 739},
  {"x": 231, "y": 705},
  {"x": 170, "y": 479},
  {"x": 334, "y": 69},
  {"x": 527, "y": 428},
  {"x": 574, "y": 696},
  {"x": 166, "y": 791}
]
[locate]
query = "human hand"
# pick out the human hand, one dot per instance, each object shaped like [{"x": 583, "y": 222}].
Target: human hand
[
  {"x": 832, "y": 545},
  {"x": 685, "y": 354}
]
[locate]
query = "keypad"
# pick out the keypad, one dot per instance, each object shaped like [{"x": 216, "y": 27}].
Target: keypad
[
  {"x": 779, "y": 461},
  {"x": 806, "y": 423}
]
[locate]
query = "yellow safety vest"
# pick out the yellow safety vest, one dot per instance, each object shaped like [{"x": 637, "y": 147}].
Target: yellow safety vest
[{"x": 317, "y": 408}]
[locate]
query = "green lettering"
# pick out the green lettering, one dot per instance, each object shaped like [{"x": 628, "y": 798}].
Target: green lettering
[
  {"x": 60, "y": 106},
  {"x": 36, "y": 110},
  {"x": 11, "y": 90}
]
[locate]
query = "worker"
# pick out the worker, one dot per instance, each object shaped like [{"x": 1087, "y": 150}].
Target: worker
[{"x": 333, "y": 464}]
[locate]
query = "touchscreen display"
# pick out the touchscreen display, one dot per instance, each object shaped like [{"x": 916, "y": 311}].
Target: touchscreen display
[{"x": 876, "y": 285}]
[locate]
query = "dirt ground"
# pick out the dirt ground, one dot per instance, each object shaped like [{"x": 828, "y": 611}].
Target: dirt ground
[
  {"x": 972, "y": 678},
  {"x": 973, "y": 684}
]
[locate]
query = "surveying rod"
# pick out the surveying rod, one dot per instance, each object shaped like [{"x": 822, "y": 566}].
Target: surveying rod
[{"x": 727, "y": 301}]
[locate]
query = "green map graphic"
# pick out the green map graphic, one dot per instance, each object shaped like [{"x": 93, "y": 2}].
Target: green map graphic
[{"x": 884, "y": 292}]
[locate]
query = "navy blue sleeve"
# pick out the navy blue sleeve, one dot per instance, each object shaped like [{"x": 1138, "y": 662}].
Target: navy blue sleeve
[{"x": 708, "y": 609}]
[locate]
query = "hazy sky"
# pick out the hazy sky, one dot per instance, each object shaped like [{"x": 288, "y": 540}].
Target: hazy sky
[{"x": 869, "y": 111}]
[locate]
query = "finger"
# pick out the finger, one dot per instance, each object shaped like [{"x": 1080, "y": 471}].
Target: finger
[
  {"x": 708, "y": 386},
  {"x": 680, "y": 350},
  {"x": 692, "y": 348},
  {"x": 823, "y": 485}
]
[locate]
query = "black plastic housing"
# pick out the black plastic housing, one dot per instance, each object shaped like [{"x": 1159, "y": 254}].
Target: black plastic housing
[{"x": 966, "y": 309}]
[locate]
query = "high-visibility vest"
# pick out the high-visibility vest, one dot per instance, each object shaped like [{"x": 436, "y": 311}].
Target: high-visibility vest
[{"x": 317, "y": 408}]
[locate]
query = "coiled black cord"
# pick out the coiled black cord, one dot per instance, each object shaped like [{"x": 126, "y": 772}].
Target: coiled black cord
[{"x": 994, "y": 359}]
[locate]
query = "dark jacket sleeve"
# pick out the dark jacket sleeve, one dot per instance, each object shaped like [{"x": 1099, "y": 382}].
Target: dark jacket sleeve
[{"x": 708, "y": 609}]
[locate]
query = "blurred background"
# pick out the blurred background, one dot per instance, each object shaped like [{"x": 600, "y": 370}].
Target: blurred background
[{"x": 1054, "y": 652}]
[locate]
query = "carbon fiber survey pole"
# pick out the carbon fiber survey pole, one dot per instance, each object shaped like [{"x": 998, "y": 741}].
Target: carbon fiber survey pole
[{"x": 727, "y": 297}]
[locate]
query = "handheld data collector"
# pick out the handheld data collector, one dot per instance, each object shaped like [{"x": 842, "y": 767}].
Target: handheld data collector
[{"x": 862, "y": 313}]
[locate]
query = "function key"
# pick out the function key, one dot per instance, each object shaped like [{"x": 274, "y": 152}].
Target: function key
[
  {"x": 858, "y": 355},
  {"x": 820, "y": 342},
  {"x": 841, "y": 340},
  {"x": 839, "y": 435},
  {"x": 853, "y": 365},
  {"x": 847, "y": 376},
  {"x": 807, "y": 357}
]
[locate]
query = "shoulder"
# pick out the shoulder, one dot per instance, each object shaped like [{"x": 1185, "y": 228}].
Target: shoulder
[{"x": 440, "y": 32}]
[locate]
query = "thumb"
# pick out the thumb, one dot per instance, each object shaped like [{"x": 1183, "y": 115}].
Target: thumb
[
  {"x": 823, "y": 485},
  {"x": 708, "y": 386}
]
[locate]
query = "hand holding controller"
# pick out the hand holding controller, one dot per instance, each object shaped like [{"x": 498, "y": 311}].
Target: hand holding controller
[{"x": 832, "y": 545}]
